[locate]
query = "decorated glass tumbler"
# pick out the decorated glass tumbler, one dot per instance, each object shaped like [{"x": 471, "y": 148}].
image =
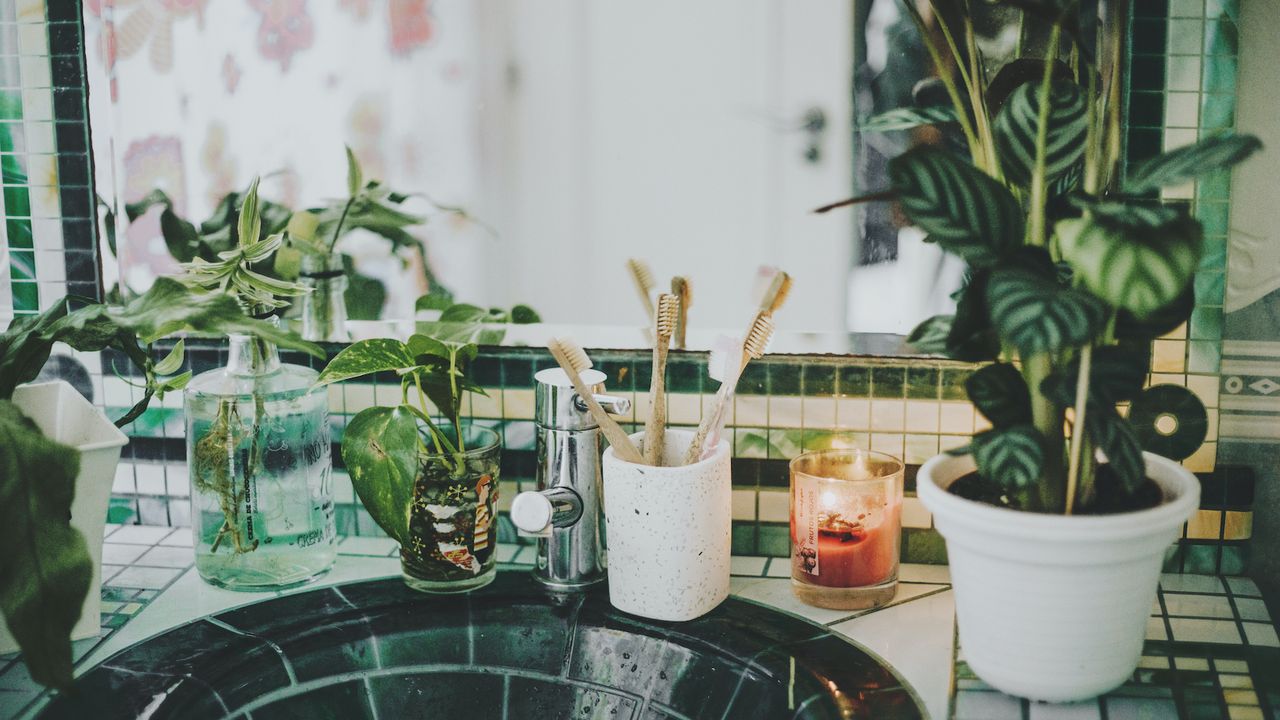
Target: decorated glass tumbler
[{"x": 846, "y": 528}]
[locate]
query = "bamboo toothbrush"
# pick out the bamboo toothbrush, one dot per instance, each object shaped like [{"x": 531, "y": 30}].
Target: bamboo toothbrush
[
  {"x": 655, "y": 429},
  {"x": 683, "y": 290},
  {"x": 752, "y": 349},
  {"x": 573, "y": 360},
  {"x": 776, "y": 293},
  {"x": 642, "y": 276}
]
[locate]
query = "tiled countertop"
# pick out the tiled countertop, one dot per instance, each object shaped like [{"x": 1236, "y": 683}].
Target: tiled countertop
[{"x": 1212, "y": 651}]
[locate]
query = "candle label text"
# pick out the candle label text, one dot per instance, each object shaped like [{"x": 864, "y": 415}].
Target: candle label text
[{"x": 805, "y": 523}]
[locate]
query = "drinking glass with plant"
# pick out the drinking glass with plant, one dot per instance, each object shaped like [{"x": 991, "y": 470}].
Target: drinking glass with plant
[
  {"x": 1074, "y": 268},
  {"x": 257, "y": 435},
  {"x": 429, "y": 479}
]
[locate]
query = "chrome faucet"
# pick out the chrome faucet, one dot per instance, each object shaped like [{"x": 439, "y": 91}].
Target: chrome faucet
[{"x": 566, "y": 512}]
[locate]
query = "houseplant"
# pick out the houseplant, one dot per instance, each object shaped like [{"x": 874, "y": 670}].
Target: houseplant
[
  {"x": 48, "y": 574},
  {"x": 1056, "y": 522},
  {"x": 433, "y": 486}
]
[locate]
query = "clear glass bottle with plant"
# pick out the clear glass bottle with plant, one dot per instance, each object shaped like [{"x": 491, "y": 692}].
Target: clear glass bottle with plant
[
  {"x": 257, "y": 436},
  {"x": 430, "y": 484}
]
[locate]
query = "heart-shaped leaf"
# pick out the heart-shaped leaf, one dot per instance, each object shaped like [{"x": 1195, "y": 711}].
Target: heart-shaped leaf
[
  {"x": 380, "y": 449},
  {"x": 1000, "y": 393},
  {"x": 1012, "y": 457},
  {"x": 1138, "y": 269},
  {"x": 1187, "y": 163},
  {"x": 1159, "y": 322},
  {"x": 367, "y": 357},
  {"x": 931, "y": 335},
  {"x": 961, "y": 208},
  {"x": 1018, "y": 122},
  {"x": 1117, "y": 440},
  {"x": 1036, "y": 315},
  {"x": 1127, "y": 212}
]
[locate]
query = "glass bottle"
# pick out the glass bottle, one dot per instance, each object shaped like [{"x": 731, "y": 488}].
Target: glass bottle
[
  {"x": 259, "y": 457},
  {"x": 324, "y": 309}
]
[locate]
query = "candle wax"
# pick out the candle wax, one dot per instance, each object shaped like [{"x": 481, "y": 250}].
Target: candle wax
[{"x": 866, "y": 556}]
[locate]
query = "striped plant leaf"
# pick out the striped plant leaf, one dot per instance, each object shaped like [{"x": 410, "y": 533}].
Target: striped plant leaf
[
  {"x": 1036, "y": 315},
  {"x": 1187, "y": 163},
  {"x": 1117, "y": 440},
  {"x": 1016, "y": 125},
  {"x": 1116, "y": 374},
  {"x": 931, "y": 335},
  {"x": 1000, "y": 393},
  {"x": 962, "y": 208},
  {"x": 1139, "y": 269},
  {"x": 972, "y": 338},
  {"x": 1127, "y": 212},
  {"x": 1157, "y": 323},
  {"x": 905, "y": 118},
  {"x": 1012, "y": 456}
]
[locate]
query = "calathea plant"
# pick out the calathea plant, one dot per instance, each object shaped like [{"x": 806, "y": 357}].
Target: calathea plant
[
  {"x": 1073, "y": 269},
  {"x": 45, "y": 570}
]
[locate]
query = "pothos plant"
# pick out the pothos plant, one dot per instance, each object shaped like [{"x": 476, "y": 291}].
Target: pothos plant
[
  {"x": 1074, "y": 266},
  {"x": 45, "y": 569}
]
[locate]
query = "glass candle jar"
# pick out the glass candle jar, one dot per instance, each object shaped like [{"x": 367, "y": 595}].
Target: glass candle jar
[{"x": 846, "y": 528}]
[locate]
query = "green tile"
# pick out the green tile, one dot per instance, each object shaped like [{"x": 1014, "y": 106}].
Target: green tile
[
  {"x": 1217, "y": 112},
  {"x": 921, "y": 545},
  {"x": 1235, "y": 559},
  {"x": 784, "y": 379},
  {"x": 785, "y": 443},
  {"x": 818, "y": 380},
  {"x": 1218, "y": 8},
  {"x": 744, "y": 537},
  {"x": 1201, "y": 558},
  {"x": 642, "y": 373},
  {"x": 26, "y": 298},
  {"x": 1215, "y": 254},
  {"x": 1221, "y": 39},
  {"x": 754, "y": 380},
  {"x": 620, "y": 377},
  {"x": 775, "y": 540},
  {"x": 855, "y": 381},
  {"x": 923, "y": 382},
  {"x": 17, "y": 202},
  {"x": 1210, "y": 287},
  {"x": 888, "y": 382},
  {"x": 517, "y": 372},
  {"x": 685, "y": 375},
  {"x": 1215, "y": 217},
  {"x": 953, "y": 381},
  {"x": 1205, "y": 324},
  {"x": 1214, "y": 186}
]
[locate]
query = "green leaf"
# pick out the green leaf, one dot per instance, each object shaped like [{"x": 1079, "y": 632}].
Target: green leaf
[
  {"x": 1012, "y": 457},
  {"x": 1115, "y": 437},
  {"x": 1187, "y": 163},
  {"x": 1159, "y": 322},
  {"x": 173, "y": 360},
  {"x": 1036, "y": 315},
  {"x": 524, "y": 315},
  {"x": 931, "y": 335},
  {"x": 972, "y": 338},
  {"x": 961, "y": 208},
  {"x": 45, "y": 569},
  {"x": 1138, "y": 269},
  {"x": 177, "y": 382},
  {"x": 464, "y": 313},
  {"x": 420, "y": 345},
  {"x": 905, "y": 118},
  {"x": 367, "y": 357},
  {"x": 1000, "y": 393},
  {"x": 250, "y": 222},
  {"x": 1016, "y": 126},
  {"x": 25, "y": 346},
  {"x": 365, "y": 296},
  {"x": 1127, "y": 211},
  {"x": 380, "y": 449},
  {"x": 1116, "y": 374},
  {"x": 355, "y": 176},
  {"x": 438, "y": 299}
]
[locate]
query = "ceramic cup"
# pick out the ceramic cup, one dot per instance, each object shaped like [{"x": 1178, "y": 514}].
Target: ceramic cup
[{"x": 668, "y": 532}]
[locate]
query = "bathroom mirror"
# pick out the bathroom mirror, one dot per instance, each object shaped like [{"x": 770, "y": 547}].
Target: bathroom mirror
[{"x": 545, "y": 144}]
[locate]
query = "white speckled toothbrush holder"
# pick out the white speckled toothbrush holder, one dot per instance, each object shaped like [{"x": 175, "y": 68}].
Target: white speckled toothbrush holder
[{"x": 668, "y": 532}]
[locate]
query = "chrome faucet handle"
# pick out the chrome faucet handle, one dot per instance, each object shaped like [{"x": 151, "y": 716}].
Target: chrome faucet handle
[
  {"x": 535, "y": 513},
  {"x": 612, "y": 404}
]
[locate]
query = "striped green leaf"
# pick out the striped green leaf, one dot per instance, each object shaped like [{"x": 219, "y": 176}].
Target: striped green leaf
[
  {"x": 1139, "y": 269},
  {"x": 1012, "y": 457},
  {"x": 1116, "y": 374},
  {"x": 931, "y": 335},
  {"x": 961, "y": 208},
  {"x": 906, "y": 118},
  {"x": 1117, "y": 440},
  {"x": 1036, "y": 315},
  {"x": 1017, "y": 123},
  {"x": 1000, "y": 393},
  {"x": 1187, "y": 163},
  {"x": 1120, "y": 212}
]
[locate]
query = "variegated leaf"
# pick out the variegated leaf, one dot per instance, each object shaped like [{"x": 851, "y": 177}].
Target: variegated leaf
[
  {"x": 1012, "y": 457},
  {"x": 1187, "y": 163},
  {"x": 1036, "y": 315},
  {"x": 1139, "y": 269},
  {"x": 1000, "y": 393},
  {"x": 906, "y": 118},
  {"x": 1018, "y": 122}
]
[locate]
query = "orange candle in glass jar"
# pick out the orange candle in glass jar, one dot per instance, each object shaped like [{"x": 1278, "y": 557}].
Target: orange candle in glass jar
[{"x": 859, "y": 556}]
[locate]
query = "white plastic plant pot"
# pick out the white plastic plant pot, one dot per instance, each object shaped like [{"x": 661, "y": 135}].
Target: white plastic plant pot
[
  {"x": 63, "y": 414},
  {"x": 669, "y": 532},
  {"x": 1054, "y": 607}
]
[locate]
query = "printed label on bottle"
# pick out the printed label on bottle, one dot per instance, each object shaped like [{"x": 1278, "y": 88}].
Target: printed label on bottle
[{"x": 805, "y": 511}]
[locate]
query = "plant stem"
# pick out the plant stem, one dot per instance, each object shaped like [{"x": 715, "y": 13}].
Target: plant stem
[
  {"x": 337, "y": 230},
  {"x": 977, "y": 97},
  {"x": 1078, "y": 425},
  {"x": 1037, "y": 230},
  {"x": 1047, "y": 419},
  {"x": 962, "y": 113}
]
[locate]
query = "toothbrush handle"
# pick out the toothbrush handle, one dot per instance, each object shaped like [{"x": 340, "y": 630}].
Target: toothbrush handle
[
  {"x": 618, "y": 439},
  {"x": 709, "y": 421},
  {"x": 655, "y": 427}
]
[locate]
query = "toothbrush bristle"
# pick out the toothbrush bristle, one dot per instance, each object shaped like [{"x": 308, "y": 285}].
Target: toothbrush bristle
[
  {"x": 574, "y": 354},
  {"x": 668, "y": 308},
  {"x": 758, "y": 339},
  {"x": 641, "y": 272}
]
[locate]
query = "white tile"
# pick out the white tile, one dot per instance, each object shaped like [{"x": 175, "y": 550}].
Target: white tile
[
  {"x": 747, "y": 565},
  {"x": 1243, "y": 586},
  {"x": 150, "y": 477},
  {"x": 820, "y": 412},
  {"x": 743, "y": 504},
  {"x": 1231, "y": 666},
  {"x": 109, "y": 528},
  {"x": 168, "y": 557},
  {"x": 777, "y": 593},
  {"x": 922, "y": 416},
  {"x": 1087, "y": 710},
  {"x": 1261, "y": 634},
  {"x": 141, "y": 534},
  {"x": 1207, "y": 631},
  {"x": 915, "y": 572},
  {"x": 956, "y": 417},
  {"x": 507, "y": 552},
  {"x": 147, "y": 578},
  {"x": 775, "y": 506},
  {"x": 854, "y": 413},
  {"x": 180, "y": 538},
  {"x": 986, "y": 705},
  {"x": 1238, "y": 682},
  {"x": 517, "y": 404},
  {"x": 121, "y": 554},
  {"x": 376, "y": 546},
  {"x": 779, "y": 568},
  {"x": 1156, "y": 629},
  {"x": 1253, "y": 609},
  {"x": 751, "y": 410},
  {"x": 1153, "y": 662},
  {"x": 684, "y": 408},
  {"x": 1183, "y": 663},
  {"x": 914, "y": 514},
  {"x": 888, "y": 415},
  {"x": 1187, "y": 582},
  {"x": 1210, "y": 606}
]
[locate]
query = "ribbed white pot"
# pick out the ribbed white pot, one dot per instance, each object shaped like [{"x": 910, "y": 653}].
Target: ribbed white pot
[
  {"x": 1054, "y": 607},
  {"x": 669, "y": 532},
  {"x": 64, "y": 415}
]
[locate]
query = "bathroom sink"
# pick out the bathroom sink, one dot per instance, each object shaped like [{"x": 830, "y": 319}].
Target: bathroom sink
[{"x": 511, "y": 650}]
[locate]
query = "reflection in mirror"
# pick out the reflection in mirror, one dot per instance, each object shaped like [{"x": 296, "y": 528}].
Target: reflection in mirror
[{"x": 516, "y": 155}]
